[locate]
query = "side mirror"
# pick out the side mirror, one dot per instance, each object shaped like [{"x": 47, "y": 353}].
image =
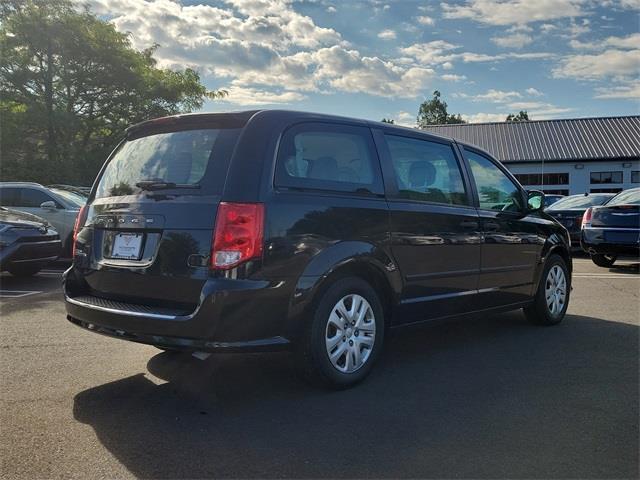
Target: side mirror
[
  {"x": 49, "y": 205},
  {"x": 535, "y": 201}
]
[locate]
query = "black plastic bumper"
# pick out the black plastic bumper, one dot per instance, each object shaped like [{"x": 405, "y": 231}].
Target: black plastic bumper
[
  {"x": 601, "y": 241},
  {"x": 232, "y": 315},
  {"x": 29, "y": 253}
]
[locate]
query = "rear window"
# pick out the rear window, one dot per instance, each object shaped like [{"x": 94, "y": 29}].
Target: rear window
[
  {"x": 579, "y": 201},
  {"x": 629, "y": 197},
  {"x": 186, "y": 158}
]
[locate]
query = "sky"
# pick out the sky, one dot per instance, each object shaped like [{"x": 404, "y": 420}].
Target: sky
[{"x": 375, "y": 58}]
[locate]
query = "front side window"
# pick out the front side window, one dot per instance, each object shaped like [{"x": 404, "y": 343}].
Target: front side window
[
  {"x": 328, "y": 157},
  {"x": 496, "y": 191},
  {"x": 32, "y": 198},
  {"x": 426, "y": 171}
]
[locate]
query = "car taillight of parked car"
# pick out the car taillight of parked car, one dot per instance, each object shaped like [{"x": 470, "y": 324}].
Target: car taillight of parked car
[
  {"x": 80, "y": 219},
  {"x": 238, "y": 234},
  {"x": 586, "y": 218}
]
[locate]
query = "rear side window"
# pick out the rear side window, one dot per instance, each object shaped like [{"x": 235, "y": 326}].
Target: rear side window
[
  {"x": 328, "y": 157},
  {"x": 426, "y": 171},
  {"x": 186, "y": 158},
  {"x": 9, "y": 197}
]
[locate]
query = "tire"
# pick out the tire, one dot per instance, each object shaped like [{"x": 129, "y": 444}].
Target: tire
[
  {"x": 603, "y": 260},
  {"x": 24, "y": 270},
  {"x": 355, "y": 347},
  {"x": 555, "y": 281}
]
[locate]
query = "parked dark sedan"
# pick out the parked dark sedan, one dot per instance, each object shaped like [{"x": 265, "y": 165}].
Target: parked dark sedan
[
  {"x": 27, "y": 243},
  {"x": 569, "y": 211},
  {"x": 613, "y": 230}
]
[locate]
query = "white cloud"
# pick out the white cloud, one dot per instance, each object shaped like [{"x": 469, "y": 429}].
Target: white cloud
[
  {"x": 254, "y": 97},
  {"x": 496, "y": 96},
  {"x": 533, "y": 92},
  {"x": 425, "y": 20},
  {"x": 508, "y": 12},
  {"x": 331, "y": 9},
  {"x": 618, "y": 64},
  {"x": 387, "y": 35},
  {"x": 631, "y": 90},
  {"x": 629, "y": 42},
  {"x": 515, "y": 40},
  {"x": 405, "y": 119},
  {"x": 484, "y": 117},
  {"x": 453, "y": 78}
]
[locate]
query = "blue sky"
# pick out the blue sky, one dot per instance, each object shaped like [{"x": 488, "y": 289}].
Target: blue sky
[{"x": 376, "y": 58}]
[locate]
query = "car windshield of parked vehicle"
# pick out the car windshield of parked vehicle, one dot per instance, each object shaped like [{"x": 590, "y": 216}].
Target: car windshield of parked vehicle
[
  {"x": 628, "y": 197},
  {"x": 73, "y": 198},
  {"x": 163, "y": 160},
  {"x": 579, "y": 201}
]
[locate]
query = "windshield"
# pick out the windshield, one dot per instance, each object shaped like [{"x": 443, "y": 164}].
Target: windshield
[
  {"x": 580, "y": 201},
  {"x": 629, "y": 197},
  {"x": 74, "y": 198},
  {"x": 179, "y": 158}
]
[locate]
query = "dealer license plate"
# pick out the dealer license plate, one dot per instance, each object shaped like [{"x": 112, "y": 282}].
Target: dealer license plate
[{"x": 127, "y": 246}]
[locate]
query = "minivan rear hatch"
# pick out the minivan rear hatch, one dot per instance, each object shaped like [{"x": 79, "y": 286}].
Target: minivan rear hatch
[{"x": 152, "y": 212}]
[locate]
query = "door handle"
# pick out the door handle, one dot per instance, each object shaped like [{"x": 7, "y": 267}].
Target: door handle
[
  {"x": 491, "y": 226},
  {"x": 469, "y": 224}
]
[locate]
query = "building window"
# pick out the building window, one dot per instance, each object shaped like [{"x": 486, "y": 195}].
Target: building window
[
  {"x": 635, "y": 176},
  {"x": 606, "y": 177},
  {"x": 561, "y": 191},
  {"x": 606, "y": 190},
  {"x": 537, "y": 179}
]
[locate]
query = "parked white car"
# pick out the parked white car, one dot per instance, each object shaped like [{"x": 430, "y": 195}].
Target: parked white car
[{"x": 59, "y": 207}]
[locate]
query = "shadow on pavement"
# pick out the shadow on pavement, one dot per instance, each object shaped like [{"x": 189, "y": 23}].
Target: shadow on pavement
[{"x": 487, "y": 398}]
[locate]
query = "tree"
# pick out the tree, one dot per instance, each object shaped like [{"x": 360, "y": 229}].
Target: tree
[
  {"x": 434, "y": 112},
  {"x": 388, "y": 120},
  {"x": 522, "y": 116},
  {"x": 70, "y": 84}
]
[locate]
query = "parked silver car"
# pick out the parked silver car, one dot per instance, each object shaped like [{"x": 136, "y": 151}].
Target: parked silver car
[{"x": 59, "y": 207}]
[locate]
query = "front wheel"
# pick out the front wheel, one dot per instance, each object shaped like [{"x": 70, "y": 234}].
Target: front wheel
[
  {"x": 552, "y": 297},
  {"x": 345, "y": 335},
  {"x": 603, "y": 260}
]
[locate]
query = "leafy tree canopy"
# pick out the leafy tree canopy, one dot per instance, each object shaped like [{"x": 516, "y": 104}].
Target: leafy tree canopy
[
  {"x": 434, "y": 112},
  {"x": 521, "y": 116},
  {"x": 388, "y": 120},
  {"x": 70, "y": 84}
]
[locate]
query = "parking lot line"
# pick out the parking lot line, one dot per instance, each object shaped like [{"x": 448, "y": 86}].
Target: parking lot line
[{"x": 17, "y": 293}]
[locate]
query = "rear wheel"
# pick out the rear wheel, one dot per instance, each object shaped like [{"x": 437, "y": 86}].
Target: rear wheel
[
  {"x": 24, "y": 270},
  {"x": 603, "y": 260},
  {"x": 345, "y": 335},
  {"x": 552, "y": 298}
]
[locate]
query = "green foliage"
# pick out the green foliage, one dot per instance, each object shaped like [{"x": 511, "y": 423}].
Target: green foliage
[
  {"x": 70, "y": 84},
  {"x": 434, "y": 112},
  {"x": 388, "y": 120},
  {"x": 522, "y": 116}
]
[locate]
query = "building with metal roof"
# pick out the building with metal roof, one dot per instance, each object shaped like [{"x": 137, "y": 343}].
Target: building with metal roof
[{"x": 565, "y": 156}]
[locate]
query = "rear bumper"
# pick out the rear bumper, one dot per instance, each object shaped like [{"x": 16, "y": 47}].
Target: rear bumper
[
  {"x": 232, "y": 315},
  {"x": 611, "y": 241}
]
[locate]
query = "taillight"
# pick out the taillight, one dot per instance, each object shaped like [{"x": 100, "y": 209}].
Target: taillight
[
  {"x": 80, "y": 219},
  {"x": 586, "y": 218},
  {"x": 238, "y": 234}
]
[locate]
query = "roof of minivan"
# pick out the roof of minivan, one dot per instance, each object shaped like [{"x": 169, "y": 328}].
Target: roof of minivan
[{"x": 246, "y": 115}]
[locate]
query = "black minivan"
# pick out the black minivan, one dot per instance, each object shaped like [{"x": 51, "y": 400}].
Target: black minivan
[{"x": 281, "y": 230}]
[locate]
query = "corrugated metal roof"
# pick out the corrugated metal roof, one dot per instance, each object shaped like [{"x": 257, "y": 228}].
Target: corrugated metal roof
[{"x": 549, "y": 140}]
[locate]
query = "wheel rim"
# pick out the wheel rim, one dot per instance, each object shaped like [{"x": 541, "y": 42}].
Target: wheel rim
[
  {"x": 350, "y": 333},
  {"x": 556, "y": 290}
]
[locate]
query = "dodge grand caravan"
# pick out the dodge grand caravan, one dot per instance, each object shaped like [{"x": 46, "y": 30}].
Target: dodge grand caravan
[{"x": 271, "y": 230}]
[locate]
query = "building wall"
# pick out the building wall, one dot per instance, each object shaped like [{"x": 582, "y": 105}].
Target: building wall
[{"x": 580, "y": 174}]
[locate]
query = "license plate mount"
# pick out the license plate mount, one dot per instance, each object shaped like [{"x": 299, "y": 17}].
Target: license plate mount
[{"x": 127, "y": 246}]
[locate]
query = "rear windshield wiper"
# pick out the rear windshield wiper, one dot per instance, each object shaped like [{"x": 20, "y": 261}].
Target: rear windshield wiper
[{"x": 162, "y": 185}]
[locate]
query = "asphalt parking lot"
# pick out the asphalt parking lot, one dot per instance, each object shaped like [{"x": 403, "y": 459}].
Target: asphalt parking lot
[{"x": 492, "y": 397}]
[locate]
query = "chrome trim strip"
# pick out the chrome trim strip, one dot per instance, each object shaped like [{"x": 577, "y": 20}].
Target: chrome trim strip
[
  {"x": 158, "y": 316},
  {"x": 613, "y": 228}
]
